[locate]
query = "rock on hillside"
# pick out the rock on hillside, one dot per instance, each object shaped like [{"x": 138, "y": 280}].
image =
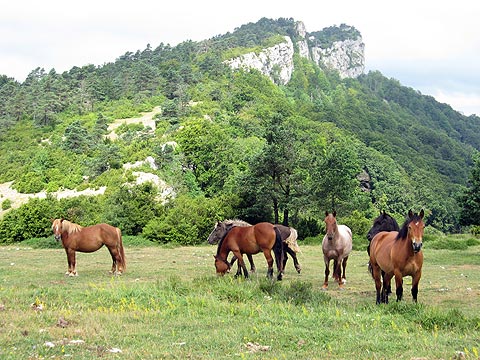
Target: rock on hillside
[{"x": 346, "y": 56}]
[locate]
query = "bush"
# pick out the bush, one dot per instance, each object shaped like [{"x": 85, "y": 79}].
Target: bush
[
  {"x": 188, "y": 222},
  {"x": 6, "y": 204}
]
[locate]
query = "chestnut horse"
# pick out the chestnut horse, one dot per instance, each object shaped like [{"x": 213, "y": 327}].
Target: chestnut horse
[
  {"x": 336, "y": 245},
  {"x": 288, "y": 235},
  {"x": 89, "y": 239},
  {"x": 262, "y": 237},
  {"x": 398, "y": 254}
]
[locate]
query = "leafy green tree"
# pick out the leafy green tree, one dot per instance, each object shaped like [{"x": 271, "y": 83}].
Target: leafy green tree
[
  {"x": 470, "y": 201},
  {"x": 131, "y": 207},
  {"x": 336, "y": 178},
  {"x": 77, "y": 138},
  {"x": 207, "y": 150}
]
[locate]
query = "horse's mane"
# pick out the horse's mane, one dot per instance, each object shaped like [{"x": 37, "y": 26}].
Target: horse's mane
[
  {"x": 71, "y": 227},
  {"x": 232, "y": 223},
  {"x": 236, "y": 222},
  {"x": 402, "y": 234}
]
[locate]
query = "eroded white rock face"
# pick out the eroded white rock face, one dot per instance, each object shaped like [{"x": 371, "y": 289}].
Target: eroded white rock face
[
  {"x": 276, "y": 62},
  {"x": 347, "y": 57}
]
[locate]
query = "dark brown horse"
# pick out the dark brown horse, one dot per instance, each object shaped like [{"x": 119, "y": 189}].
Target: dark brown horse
[
  {"x": 398, "y": 254},
  {"x": 262, "y": 237},
  {"x": 89, "y": 239},
  {"x": 336, "y": 246},
  {"x": 383, "y": 222},
  {"x": 288, "y": 235}
]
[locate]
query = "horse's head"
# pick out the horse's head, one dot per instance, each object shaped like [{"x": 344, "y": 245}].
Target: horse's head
[
  {"x": 221, "y": 265},
  {"x": 415, "y": 229},
  {"x": 384, "y": 222},
  {"x": 221, "y": 228},
  {"x": 331, "y": 224},
  {"x": 57, "y": 228}
]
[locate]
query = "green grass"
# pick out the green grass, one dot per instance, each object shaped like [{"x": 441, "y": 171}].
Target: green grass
[{"x": 171, "y": 305}]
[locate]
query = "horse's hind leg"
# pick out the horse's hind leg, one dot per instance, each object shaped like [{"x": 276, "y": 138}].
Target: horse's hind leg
[
  {"x": 295, "y": 260},
  {"x": 252, "y": 264},
  {"x": 116, "y": 259}
]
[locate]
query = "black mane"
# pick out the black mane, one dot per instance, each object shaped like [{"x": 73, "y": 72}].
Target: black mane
[{"x": 402, "y": 234}]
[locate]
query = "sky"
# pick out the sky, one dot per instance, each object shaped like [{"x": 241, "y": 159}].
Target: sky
[{"x": 429, "y": 45}]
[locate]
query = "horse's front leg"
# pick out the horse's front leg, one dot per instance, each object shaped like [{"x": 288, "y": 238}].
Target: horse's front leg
[
  {"x": 398, "y": 284},
  {"x": 378, "y": 283},
  {"x": 415, "y": 281},
  {"x": 71, "y": 259},
  {"x": 241, "y": 265},
  {"x": 327, "y": 272},
  {"x": 343, "y": 278}
]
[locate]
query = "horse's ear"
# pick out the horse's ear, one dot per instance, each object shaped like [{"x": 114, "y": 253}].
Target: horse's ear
[
  {"x": 410, "y": 213},
  {"x": 326, "y": 213},
  {"x": 334, "y": 213},
  {"x": 422, "y": 214}
]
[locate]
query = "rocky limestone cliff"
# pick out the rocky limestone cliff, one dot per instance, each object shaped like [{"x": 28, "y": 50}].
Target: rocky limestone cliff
[
  {"x": 346, "y": 56},
  {"x": 276, "y": 62}
]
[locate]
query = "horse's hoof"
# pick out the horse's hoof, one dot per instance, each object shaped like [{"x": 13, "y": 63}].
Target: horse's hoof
[{"x": 325, "y": 287}]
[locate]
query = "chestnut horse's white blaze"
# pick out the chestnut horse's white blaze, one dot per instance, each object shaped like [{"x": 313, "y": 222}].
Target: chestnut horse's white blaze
[
  {"x": 89, "y": 239},
  {"x": 336, "y": 246}
]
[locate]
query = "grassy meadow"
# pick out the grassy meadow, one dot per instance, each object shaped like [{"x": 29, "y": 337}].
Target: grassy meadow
[{"x": 171, "y": 305}]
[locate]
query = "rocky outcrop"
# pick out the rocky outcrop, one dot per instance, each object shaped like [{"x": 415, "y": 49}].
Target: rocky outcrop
[
  {"x": 276, "y": 62},
  {"x": 346, "y": 56}
]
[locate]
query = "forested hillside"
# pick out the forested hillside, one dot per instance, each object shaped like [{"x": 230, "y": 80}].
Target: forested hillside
[{"x": 229, "y": 144}]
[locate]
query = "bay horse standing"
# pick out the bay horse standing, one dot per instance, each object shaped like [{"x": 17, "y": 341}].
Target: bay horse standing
[
  {"x": 336, "y": 246},
  {"x": 288, "y": 235},
  {"x": 262, "y": 237},
  {"x": 89, "y": 239},
  {"x": 398, "y": 254}
]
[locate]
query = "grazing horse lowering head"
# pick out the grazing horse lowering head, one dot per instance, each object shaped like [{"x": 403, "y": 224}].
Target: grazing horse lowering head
[
  {"x": 221, "y": 265},
  {"x": 331, "y": 225},
  {"x": 415, "y": 229}
]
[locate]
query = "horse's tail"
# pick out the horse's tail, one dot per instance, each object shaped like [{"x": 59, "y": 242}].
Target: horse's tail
[
  {"x": 291, "y": 240},
  {"x": 120, "y": 248},
  {"x": 278, "y": 251}
]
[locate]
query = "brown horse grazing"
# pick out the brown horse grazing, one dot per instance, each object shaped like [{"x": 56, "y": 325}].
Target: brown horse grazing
[
  {"x": 336, "y": 245},
  {"x": 398, "y": 254},
  {"x": 89, "y": 239},
  {"x": 262, "y": 237},
  {"x": 288, "y": 235}
]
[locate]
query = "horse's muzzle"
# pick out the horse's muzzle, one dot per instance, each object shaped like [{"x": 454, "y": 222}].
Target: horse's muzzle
[
  {"x": 58, "y": 237},
  {"x": 417, "y": 247}
]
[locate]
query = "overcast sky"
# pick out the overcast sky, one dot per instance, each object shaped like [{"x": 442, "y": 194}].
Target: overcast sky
[{"x": 429, "y": 45}]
